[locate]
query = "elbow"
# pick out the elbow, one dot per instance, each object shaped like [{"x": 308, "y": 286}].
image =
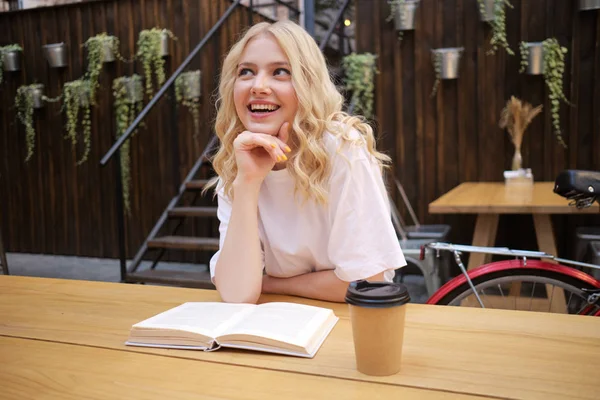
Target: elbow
[
  {"x": 239, "y": 299},
  {"x": 232, "y": 295}
]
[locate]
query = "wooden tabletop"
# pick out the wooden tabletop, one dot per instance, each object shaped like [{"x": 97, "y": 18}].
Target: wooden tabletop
[
  {"x": 33, "y": 369},
  {"x": 499, "y": 198},
  {"x": 495, "y": 353}
]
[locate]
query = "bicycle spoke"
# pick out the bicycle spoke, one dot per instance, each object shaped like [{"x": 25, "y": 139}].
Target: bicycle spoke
[
  {"x": 551, "y": 296},
  {"x": 581, "y": 309},
  {"x": 531, "y": 297},
  {"x": 485, "y": 296},
  {"x": 501, "y": 292},
  {"x": 569, "y": 303}
]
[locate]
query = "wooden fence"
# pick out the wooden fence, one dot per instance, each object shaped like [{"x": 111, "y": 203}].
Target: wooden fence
[
  {"x": 50, "y": 205},
  {"x": 454, "y": 137}
]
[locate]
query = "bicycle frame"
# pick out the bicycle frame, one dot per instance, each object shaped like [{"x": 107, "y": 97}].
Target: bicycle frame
[{"x": 505, "y": 251}]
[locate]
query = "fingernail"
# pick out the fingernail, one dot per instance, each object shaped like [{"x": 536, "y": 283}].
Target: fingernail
[
  {"x": 287, "y": 149},
  {"x": 278, "y": 158},
  {"x": 273, "y": 145},
  {"x": 284, "y": 157}
]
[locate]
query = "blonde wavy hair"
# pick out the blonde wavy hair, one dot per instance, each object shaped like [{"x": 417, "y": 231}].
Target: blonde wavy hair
[{"x": 319, "y": 111}]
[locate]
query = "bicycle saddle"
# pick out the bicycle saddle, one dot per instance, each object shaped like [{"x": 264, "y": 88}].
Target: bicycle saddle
[{"x": 581, "y": 186}]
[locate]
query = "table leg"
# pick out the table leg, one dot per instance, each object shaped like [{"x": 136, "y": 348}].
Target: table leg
[
  {"x": 3, "y": 262},
  {"x": 547, "y": 244},
  {"x": 545, "y": 235},
  {"x": 484, "y": 235}
]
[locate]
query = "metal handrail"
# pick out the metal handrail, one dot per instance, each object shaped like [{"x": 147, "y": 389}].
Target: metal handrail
[
  {"x": 166, "y": 86},
  {"x": 337, "y": 19}
]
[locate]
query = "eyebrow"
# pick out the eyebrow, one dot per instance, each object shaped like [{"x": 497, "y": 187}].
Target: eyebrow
[{"x": 277, "y": 63}]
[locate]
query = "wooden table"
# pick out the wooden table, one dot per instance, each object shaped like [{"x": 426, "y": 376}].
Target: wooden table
[
  {"x": 490, "y": 199},
  {"x": 65, "y": 339}
]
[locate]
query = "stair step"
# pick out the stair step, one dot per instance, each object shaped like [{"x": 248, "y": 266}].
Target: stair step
[
  {"x": 197, "y": 184},
  {"x": 184, "y": 243},
  {"x": 199, "y": 279},
  {"x": 193, "y": 212}
]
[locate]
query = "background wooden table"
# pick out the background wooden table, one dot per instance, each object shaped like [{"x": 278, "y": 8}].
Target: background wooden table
[
  {"x": 497, "y": 353},
  {"x": 490, "y": 199}
]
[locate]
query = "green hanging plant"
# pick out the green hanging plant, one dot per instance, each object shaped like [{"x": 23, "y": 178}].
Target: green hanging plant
[
  {"x": 77, "y": 97},
  {"x": 187, "y": 92},
  {"x": 128, "y": 93},
  {"x": 553, "y": 70},
  {"x": 396, "y": 6},
  {"x": 359, "y": 80},
  {"x": 498, "y": 25},
  {"x": 100, "y": 49},
  {"x": 149, "y": 53},
  {"x": 7, "y": 49},
  {"x": 436, "y": 59},
  {"x": 524, "y": 56},
  {"x": 24, "y": 103}
]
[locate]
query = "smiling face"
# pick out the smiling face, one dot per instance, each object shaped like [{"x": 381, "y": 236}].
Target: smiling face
[{"x": 263, "y": 92}]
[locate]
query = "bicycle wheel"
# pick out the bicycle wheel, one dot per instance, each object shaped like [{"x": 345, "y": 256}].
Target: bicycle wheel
[{"x": 533, "y": 286}]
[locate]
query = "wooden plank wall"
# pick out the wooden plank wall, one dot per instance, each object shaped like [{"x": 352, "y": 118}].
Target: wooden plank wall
[
  {"x": 440, "y": 142},
  {"x": 49, "y": 205}
]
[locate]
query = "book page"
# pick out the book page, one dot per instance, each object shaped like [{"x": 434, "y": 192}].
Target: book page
[
  {"x": 203, "y": 318},
  {"x": 296, "y": 324}
]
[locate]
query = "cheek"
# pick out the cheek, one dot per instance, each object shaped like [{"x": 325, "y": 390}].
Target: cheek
[
  {"x": 239, "y": 98},
  {"x": 289, "y": 96}
]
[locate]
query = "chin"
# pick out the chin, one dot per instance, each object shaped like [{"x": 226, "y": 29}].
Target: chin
[{"x": 266, "y": 128}]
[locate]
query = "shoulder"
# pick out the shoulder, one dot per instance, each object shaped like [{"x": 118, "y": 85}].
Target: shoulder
[{"x": 349, "y": 143}]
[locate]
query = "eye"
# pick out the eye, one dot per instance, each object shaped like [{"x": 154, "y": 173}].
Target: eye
[
  {"x": 245, "y": 72},
  {"x": 281, "y": 72}
]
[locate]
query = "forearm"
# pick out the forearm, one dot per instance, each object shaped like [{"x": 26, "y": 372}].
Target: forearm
[
  {"x": 322, "y": 285},
  {"x": 238, "y": 272}
]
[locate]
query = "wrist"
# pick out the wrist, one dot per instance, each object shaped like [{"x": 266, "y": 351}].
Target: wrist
[
  {"x": 246, "y": 186},
  {"x": 272, "y": 285}
]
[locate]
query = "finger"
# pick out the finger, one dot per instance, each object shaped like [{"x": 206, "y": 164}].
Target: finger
[
  {"x": 252, "y": 141},
  {"x": 283, "y": 135}
]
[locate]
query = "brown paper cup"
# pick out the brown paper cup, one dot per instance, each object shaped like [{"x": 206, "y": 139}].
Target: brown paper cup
[
  {"x": 378, "y": 337},
  {"x": 377, "y": 313}
]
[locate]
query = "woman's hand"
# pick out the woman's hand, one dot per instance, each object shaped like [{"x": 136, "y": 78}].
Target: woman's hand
[{"x": 257, "y": 153}]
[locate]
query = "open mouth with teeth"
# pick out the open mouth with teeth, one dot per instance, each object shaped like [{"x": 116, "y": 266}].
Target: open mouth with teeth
[{"x": 262, "y": 108}]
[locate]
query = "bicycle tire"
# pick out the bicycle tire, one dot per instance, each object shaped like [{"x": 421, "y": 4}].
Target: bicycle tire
[{"x": 533, "y": 268}]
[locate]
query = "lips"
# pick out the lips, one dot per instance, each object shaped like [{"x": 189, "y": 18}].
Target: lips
[{"x": 262, "y": 107}]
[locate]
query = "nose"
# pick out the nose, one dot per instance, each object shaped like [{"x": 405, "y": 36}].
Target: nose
[{"x": 261, "y": 85}]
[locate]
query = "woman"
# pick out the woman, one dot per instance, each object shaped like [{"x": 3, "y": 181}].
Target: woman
[{"x": 300, "y": 189}]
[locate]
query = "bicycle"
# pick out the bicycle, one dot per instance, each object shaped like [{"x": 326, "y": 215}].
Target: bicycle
[{"x": 504, "y": 283}]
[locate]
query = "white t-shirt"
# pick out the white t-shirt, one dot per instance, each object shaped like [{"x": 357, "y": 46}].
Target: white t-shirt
[{"x": 352, "y": 234}]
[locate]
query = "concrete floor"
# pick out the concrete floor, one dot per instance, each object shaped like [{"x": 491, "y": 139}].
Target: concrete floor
[{"x": 107, "y": 270}]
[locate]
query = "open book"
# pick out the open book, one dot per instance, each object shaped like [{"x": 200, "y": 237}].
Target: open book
[{"x": 285, "y": 328}]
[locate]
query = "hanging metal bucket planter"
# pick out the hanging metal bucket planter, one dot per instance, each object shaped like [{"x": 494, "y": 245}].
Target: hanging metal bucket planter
[
  {"x": 108, "y": 50},
  {"x": 191, "y": 85},
  {"x": 535, "y": 58},
  {"x": 56, "y": 54},
  {"x": 589, "y": 5},
  {"x": 486, "y": 10},
  {"x": 404, "y": 15},
  {"x": 164, "y": 44},
  {"x": 11, "y": 60},
  {"x": 447, "y": 60},
  {"x": 37, "y": 94},
  {"x": 133, "y": 87}
]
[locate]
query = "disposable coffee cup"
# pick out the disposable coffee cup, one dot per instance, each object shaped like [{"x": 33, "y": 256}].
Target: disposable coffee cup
[{"x": 377, "y": 313}]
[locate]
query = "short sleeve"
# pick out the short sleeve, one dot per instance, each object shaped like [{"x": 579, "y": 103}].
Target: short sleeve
[{"x": 362, "y": 241}]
